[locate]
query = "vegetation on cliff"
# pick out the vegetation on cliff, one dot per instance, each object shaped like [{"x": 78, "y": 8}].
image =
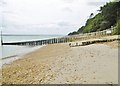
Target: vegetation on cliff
[{"x": 109, "y": 15}]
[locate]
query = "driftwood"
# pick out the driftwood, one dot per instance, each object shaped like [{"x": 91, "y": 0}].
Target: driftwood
[
  {"x": 93, "y": 42},
  {"x": 98, "y": 41}
]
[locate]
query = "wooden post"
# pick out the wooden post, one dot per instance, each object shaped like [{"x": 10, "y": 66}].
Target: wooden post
[{"x": 1, "y": 39}]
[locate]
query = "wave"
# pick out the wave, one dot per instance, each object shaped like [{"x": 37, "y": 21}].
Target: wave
[{"x": 9, "y": 57}]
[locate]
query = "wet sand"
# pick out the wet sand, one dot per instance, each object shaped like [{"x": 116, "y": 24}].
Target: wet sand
[{"x": 61, "y": 64}]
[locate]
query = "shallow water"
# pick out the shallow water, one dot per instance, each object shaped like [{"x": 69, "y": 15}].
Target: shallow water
[
  {"x": 13, "y": 50},
  {"x": 9, "y": 53}
]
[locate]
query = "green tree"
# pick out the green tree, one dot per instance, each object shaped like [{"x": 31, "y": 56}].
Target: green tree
[{"x": 108, "y": 16}]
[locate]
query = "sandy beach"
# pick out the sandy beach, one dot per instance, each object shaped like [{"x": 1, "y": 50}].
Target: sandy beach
[{"x": 61, "y": 64}]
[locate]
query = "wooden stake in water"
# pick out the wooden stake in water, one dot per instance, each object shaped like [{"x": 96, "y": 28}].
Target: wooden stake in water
[{"x": 1, "y": 38}]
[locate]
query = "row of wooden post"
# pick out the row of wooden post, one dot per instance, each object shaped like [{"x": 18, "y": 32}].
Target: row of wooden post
[
  {"x": 60, "y": 40},
  {"x": 40, "y": 42}
]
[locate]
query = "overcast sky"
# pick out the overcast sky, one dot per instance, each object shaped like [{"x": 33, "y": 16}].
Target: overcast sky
[{"x": 46, "y": 16}]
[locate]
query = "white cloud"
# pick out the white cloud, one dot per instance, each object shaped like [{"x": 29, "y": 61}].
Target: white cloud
[{"x": 45, "y": 16}]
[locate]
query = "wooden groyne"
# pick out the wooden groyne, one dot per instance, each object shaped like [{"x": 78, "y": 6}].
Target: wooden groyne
[
  {"x": 40, "y": 42},
  {"x": 65, "y": 39},
  {"x": 94, "y": 41},
  {"x": 99, "y": 41}
]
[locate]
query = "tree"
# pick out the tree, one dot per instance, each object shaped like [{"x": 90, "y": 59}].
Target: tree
[
  {"x": 108, "y": 16},
  {"x": 73, "y": 33},
  {"x": 91, "y": 15}
]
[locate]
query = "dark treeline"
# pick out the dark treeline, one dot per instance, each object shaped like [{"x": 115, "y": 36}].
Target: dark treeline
[{"x": 109, "y": 15}]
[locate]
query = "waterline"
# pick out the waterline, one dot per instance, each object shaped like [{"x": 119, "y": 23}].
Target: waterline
[{"x": 10, "y": 59}]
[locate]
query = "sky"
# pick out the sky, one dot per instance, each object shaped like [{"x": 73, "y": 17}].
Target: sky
[{"x": 58, "y": 17}]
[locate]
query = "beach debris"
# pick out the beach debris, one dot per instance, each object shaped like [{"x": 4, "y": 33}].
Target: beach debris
[
  {"x": 40, "y": 80},
  {"x": 76, "y": 44},
  {"x": 84, "y": 43},
  {"x": 70, "y": 44}
]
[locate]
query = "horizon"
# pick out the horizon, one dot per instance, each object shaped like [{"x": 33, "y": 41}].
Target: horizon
[
  {"x": 31, "y": 34},
  {"x": 23, "y": 34}
]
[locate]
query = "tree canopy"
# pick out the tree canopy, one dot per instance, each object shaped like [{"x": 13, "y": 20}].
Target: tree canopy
[{"x": 109, "y": 15}]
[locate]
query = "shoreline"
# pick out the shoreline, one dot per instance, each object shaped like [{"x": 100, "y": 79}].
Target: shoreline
[
  {"x": 10, "y": 59},
  {"x": 61, "y": 64}
]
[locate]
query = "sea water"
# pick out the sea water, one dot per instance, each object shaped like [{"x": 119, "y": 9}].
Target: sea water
[{"x": 13, "y": 51}]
